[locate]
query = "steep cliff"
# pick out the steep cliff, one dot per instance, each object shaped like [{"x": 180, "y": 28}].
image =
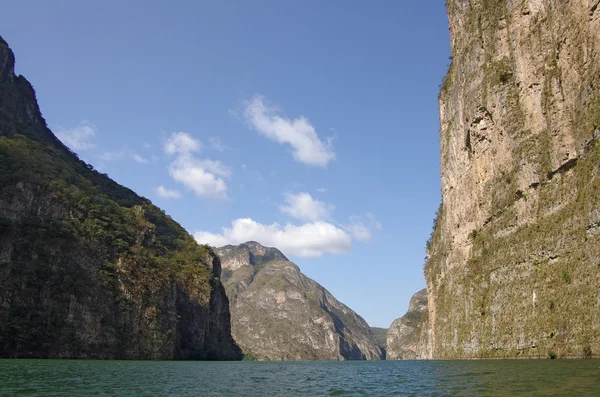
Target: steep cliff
[
  {"x": 408, "y": 336},
  {"x": 277, "y": 313},
  {"x": 513, "y": 267},
  {"x": 88, "y": 269}
]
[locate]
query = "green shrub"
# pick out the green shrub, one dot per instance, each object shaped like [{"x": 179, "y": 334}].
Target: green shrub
[{"x": 566, "y": 276}]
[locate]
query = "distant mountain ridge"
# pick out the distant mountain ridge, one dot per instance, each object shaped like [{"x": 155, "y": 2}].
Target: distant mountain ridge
[
  {"x": 380, "y": 337},
  {"x": 280, "y": 314},
  {"x": 249, "y": 253},
  {"x": 407, "y": 336}
]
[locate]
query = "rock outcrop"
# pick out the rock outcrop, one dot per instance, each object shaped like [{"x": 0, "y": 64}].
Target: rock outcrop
[
  {"x": 512, "y": 266},
  {"x": 88, "y": 269},
  {"x": 407, "y": 337},
  {"x": 277, "y": 313}
]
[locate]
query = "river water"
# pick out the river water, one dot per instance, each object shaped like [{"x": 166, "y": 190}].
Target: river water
[{"x": 349, "y": 378}]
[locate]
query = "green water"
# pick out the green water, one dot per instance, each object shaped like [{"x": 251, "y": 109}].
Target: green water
[{"x": 384, "y": 378}]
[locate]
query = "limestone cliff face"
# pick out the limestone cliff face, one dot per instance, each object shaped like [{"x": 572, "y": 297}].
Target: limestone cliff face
[
  {"x": 513, "y": 260},
  {"x": 277, "y": 313},
  {"x": 408, "y": 337},
  {"x": 88, "y": 269}
]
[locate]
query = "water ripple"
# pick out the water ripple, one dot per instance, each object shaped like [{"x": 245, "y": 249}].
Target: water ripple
[{"x": 388, "y": 378}]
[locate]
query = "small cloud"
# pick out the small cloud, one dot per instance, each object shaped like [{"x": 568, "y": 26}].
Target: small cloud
[
  {"x": 371, "y": 217},
  {"x": 215, "y": 167},
  {"x": 303, "y": 207},
  {"x": 139, "y": 159},
  {"x": 167, "y": 193},
  {"x": 214, "y": 240},
  {"x": 361, "y": 226},
  {"x": 322, "y": 190},
  {"x": 216, "y": 144},
  {"x": 182, "y": 143},
  {"x": 298, "y": 133},
  {"x": 359, "y": 231},
  {"x": 147, "y": 145},
  {"x": 197, "y": 175},
  {"x": 77, "y": 138},
  {"x": 308, "y": 240},
  {"x": 204, "y": 177}
]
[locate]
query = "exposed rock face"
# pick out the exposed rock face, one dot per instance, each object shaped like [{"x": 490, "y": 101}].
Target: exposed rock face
[
  {"x": 280, "y": 314},
  {"x": 407, "y": 337},
  {"x": 88, "y": 269},
  {"x": 513, "y": 261}
]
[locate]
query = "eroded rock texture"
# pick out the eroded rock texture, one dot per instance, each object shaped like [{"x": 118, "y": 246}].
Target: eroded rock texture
[
  {"x": 408, "y": 336},
  {"x": 513, "y": 267},
  {"x": 280, "y": 314}
]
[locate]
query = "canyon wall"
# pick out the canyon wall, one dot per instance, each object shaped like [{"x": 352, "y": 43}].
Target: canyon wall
[{"x": 513, "y": 264}]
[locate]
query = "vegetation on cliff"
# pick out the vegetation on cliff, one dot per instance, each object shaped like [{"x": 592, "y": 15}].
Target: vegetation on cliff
[
  {"x": 512, "y": 262},
  {"x": 407, "y": 336},
  {"x": 280, "y": 314},
  {"x": 380, "y": 336},
  {"x": 88, "y": 268}
]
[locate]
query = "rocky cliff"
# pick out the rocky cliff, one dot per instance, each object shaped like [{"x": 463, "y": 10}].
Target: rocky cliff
[
  {"x": 408, "y": 336},
  {"x": 513, "y": 268},
  {"x": 278, "y": 313},
  {"x": 88, "y": 269}
]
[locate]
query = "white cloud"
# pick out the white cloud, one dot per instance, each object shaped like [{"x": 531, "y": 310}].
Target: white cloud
[
  {"x": 215, "y": 167},
  {"x": 147, "y": 145},
  {"x": 167, "y": 193},
  {"x": 194, "y": 174},
  {"x": 307, "y": 240},
  {"x": 139, "y": 158},
  {"x": 204, "y": 177},
  {"x": 298, "y": 132},
  {"x": 361, "y": 231},
  {"x": 181, "y": 143},
  {"x": 77, "y": 138},
  {"x": 216, "y": 144},
  {"x": 214, "y": 240},
  {"x": 303, "y": 207},
  {"x": 322, "y": 190}
]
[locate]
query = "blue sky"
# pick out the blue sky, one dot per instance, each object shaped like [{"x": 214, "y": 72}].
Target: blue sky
[{"x": 309, "y": 125}]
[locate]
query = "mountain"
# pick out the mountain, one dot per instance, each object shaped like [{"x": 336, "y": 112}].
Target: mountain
[
  {"x": 512, "y": 266},
  {"x": 407, "y": 335},
  {"x": 277, "y": 313},
  {"x": 89, "y": 269},
  {"x": 380, "y": 337}
]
